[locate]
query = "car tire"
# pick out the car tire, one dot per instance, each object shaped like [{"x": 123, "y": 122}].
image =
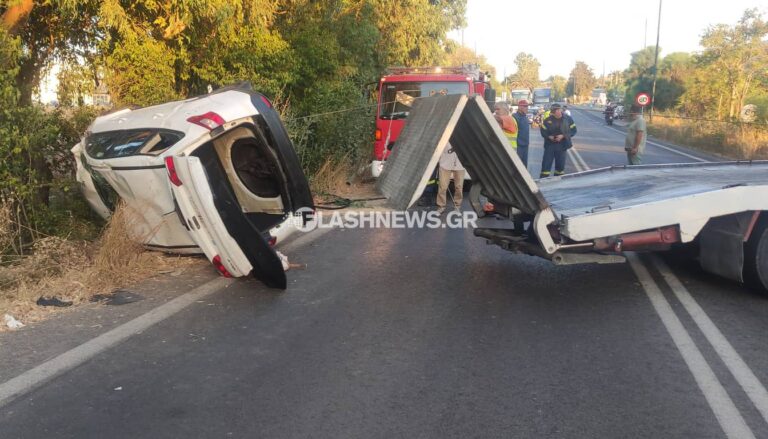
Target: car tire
[{"x": 756, "y": 256}]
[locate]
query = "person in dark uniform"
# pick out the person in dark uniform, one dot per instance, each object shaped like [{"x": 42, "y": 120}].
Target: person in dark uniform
[{"x": 557, "y": 131}]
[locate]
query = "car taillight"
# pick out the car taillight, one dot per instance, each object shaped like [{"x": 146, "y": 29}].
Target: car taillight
[
  {"x": 209, "y": 120},
  {"x": 171, "y": 167},
  {"x": 266, "y": 101},
  {"x": 378, "y": 133},
  {"x": 219, "y": 266},
  {"x": 272, "y": 241}
]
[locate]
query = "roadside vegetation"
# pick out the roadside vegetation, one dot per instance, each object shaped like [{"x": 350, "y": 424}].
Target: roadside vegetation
[
  {"x": 731, "y": 140},
  {"x": 715, "y": 100}
]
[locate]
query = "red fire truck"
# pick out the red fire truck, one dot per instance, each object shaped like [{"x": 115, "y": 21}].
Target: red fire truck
[{"x": 400, "y": 86}]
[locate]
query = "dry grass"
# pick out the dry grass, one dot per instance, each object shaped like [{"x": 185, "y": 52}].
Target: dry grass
[
  {"x": 6, "y": 225},
  {"x": 332, "y": 176},
  {"x": 77, "y": 270},
  {"x": 734, "y": 141}
]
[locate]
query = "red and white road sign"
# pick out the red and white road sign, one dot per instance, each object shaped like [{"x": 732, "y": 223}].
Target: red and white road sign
[{"x": 642, "y": 99}]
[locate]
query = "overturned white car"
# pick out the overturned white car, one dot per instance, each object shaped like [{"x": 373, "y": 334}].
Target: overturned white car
[{"x": 215, "y": 174}]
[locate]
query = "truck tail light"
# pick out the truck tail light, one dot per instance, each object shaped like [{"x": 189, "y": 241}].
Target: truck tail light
[
  {"x": 377, "y": 133},
  {"x": 172, "y": 175},
  {"x": 219, "y": 266},
  {"x": 209, "y": 120}
]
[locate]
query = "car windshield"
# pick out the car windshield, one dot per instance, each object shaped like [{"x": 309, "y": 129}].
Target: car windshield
[
  {"x": 397, "y": 97},
  {"x": 517, "y": 96},
  {"x": 124, "y": 143},
  {"x": 541, "y": 94}
]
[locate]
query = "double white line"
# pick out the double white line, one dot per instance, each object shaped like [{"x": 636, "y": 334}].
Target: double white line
[{"x": 728, "y": 416}]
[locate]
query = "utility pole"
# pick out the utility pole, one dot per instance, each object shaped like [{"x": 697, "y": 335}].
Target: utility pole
[
  {"x": 655, "y": 64},
  {"x": 603, "y": 85},
  {"x": 645, "y": 35}
]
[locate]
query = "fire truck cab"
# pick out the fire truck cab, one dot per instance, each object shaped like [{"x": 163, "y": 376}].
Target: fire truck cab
[{"x": 401, "y": 86}]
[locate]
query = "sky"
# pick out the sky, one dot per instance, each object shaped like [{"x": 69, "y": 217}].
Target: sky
[{"x": 599, "y": 32}]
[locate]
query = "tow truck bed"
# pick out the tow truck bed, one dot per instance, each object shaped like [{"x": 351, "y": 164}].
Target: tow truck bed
[
  {"x": 590, "y": 216},
  {"x": 622, "y": 199}
]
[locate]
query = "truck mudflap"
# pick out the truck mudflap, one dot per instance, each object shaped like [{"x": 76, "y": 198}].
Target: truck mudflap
[{"x": 469, "y": 126}]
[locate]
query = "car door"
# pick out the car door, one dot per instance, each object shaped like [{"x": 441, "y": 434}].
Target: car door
[{"x": 233, "y": 189}]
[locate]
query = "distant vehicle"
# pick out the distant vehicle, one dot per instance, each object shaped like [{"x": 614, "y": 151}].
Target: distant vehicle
[
  {"x": 542, "y": 97},
  {"x": 599, "y": 97},
  {"x": 216, "y": 174},
  {"x": 608, "y": 113},
  {"x": 400, "y": 86},
  {"x": 618, "y": 112},
  {"x": 519, "y": 94}
]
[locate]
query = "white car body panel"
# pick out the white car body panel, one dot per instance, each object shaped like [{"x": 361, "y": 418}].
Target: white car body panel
[{"x": 208, "y": 231}]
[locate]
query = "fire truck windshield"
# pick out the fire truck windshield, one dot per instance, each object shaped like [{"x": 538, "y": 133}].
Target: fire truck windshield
[{"x": 397, "y": 97}]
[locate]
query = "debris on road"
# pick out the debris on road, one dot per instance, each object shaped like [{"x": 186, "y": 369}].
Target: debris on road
[
  {"x": 53, "y": 301},
  {"x": 12, "y": 323},
  {"x": 284, "y": 261},
  {"x": 287, "y": 265}
]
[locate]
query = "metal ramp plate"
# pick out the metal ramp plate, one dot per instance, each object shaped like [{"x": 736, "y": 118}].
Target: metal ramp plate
[{"x": 479, "y": 142}]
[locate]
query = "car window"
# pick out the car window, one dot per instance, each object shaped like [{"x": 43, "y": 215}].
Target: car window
[{"x": 124, "y": 143}]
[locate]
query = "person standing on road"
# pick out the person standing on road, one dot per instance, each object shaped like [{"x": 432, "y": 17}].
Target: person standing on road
[
  {"x": 506, "y": 122},
  {"x": 449, "y": 167},
  {"x": 523, "y": 130},
  {"x": 557, "y": 131},
  {"x": 634, "y": 143}
]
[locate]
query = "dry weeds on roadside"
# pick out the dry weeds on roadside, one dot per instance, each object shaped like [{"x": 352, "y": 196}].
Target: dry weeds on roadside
[
  {"x": 75, "y": 271},
  {"x": 734, "y": 141}
]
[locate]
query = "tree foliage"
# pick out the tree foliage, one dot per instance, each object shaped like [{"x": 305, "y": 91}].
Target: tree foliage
[
  {"x": 558, "y": 84},
  {"x": 527, "y": 74},
  {"x": 581, "y": 81},
  {"x": 733, "y": 66}
]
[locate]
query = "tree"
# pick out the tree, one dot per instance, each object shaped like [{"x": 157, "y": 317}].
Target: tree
[
  {"x": 616, "y": 87},
  {"x": 558, "y": 84},
  {"x": 55, "y": 29},
  {"x": 736, "y": 56},
  {"x": 75, "y": 84},
  {"x": 527, "y": 74},
  {"x": 456, "y": 55},
  {"x": 413, "y": 32},
  {"x": 581, "y": 81}
]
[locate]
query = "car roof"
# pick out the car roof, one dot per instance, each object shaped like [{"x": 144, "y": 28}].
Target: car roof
[{"x": 229, "y": 104}]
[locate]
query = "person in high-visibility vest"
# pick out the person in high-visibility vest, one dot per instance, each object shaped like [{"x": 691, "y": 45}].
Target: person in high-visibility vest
[{"x": 507, "y": 123}]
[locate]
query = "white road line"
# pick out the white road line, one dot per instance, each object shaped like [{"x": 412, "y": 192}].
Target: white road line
[
  {"x": 713, "y": 391},
  {"x": 578, "y": 161},
  {"x": 740, "y": 370},
  {"x": 79, "y": 355},
  {"x": 69, "y": 360},
  {"x": 725, "y": 411},
  {"x": 649, "y": 142}
]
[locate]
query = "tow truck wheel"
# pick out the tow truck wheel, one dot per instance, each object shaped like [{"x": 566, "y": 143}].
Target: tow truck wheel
[{"x": 756, "y": 256}]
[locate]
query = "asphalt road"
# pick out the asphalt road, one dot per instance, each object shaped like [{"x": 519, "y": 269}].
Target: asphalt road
[{"x": 432, "y": 333}]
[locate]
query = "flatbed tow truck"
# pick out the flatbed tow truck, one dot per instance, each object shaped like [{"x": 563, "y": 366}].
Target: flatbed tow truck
[{"x": 592, "y": 216}]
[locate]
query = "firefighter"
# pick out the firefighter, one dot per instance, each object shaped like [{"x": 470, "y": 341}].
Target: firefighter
[{"x": 557, "y": 131}]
